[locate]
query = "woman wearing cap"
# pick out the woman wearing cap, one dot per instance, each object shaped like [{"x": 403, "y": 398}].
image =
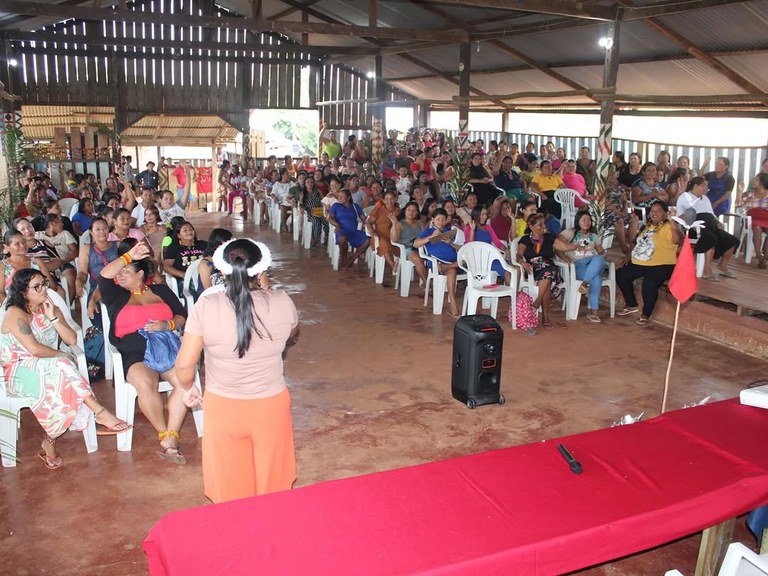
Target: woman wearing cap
[{"x": 248, "y": 443}]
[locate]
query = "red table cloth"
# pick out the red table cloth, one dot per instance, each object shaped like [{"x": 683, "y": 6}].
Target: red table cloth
[{"x": 514, "y": 511}]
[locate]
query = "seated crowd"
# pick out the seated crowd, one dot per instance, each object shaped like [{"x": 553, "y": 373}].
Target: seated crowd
[
  {"x": 411, "y": 196},
  {"x": 128, "y": 246}
]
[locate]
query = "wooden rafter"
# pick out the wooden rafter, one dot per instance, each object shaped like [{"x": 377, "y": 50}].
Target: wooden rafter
[
  {"x": 500, "y": 45},
  {"x": 238, "y": 48},
  {"x": 571, "y": 8},
  {"x": 701, "y": 55},
  {"x": 666, "y": 8},
  {"x": 585, "y": 63},
  {"x": 282, "y": 26}
]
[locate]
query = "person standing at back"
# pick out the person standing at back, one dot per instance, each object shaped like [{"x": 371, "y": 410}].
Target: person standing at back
[{"x": 248, "y": 443}]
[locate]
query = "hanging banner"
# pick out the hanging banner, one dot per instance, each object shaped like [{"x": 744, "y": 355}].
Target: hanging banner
[{"x": 204, "y": 180}]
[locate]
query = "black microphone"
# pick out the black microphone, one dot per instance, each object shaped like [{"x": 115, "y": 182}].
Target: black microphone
[{"x": 572, "y": 462}]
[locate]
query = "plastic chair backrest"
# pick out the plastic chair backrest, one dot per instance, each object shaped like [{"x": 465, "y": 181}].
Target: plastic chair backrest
[
  {"x": 477, "y": 258},
  {"x": 212, "y": 290},
  {"x": 741, "y": 561},
  {"x": 66, "y": 205},
  {"x": 58, "y": 301},
  {"x": 191, "y": 276}
]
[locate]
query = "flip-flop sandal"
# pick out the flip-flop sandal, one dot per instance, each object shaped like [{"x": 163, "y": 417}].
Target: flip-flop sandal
[
  {"x": 727, "y": 274},
  {"x": 173, "y": 455},
  {"x": 119, "y": 427},
  {"x": 711, "y": 278},
  {"x": 627, "y": 311},
  {"x": 594, "y": 318},
  {"x": 50, "y": 463},
  {"x": 642, "y": 321}
]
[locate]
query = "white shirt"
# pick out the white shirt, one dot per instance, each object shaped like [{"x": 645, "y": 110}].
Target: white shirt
[
  {"x": 138, "y": 213},
  {"x": 173, "y": 211},
  {"x": 60, "y": 242},
  {"x": 281, "y": 190},
  {"x": 689, "y": 200}
]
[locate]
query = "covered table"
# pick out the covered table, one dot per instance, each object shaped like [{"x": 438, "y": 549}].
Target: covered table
[{"x": 513, "y": 511}]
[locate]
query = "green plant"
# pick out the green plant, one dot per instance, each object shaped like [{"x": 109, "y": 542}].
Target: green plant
[
  {"x": 17, "y": 154},
  {"x": 460, "y": 163},
  {"x": 600, "y": 210}
]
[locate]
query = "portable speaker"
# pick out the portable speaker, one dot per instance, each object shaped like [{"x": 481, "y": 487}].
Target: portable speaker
[{"x": 476, "y": 371}]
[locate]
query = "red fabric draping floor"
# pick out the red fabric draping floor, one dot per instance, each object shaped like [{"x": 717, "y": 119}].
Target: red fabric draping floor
[{"x": 514, "y": 511}]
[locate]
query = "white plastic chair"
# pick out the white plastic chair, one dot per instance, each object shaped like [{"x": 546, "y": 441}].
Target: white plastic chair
[
  {"x": 403, "y": 199},
  {"x": 477, "y": 259},
  {"x": 66, "y": 205},
  {"x": 741, "y": 561},
  {"x": 173, "y": 283},
  {"x": 191, "y": 278},
  {"x": 566, "y": 197},
  {"x": 125, "y": 393},
  {"x": 745, "y": 234},
  {"x": 439, "y": 282},
  {"x": 212, "y": 290},
  {"x": 9, "y": 426},
  {"x": 297, "y": 221},
  {"x": 573, "y": 295},
  {"x": 404, "y": 269},
  {"x": 72, "y": 211}
]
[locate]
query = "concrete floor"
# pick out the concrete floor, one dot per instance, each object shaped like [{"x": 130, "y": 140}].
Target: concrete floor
[{"x": 370, "y": 379}]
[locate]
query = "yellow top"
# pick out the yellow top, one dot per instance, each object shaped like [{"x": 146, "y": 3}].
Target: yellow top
[
  {"x": 548, "y": 183},
  {"x": 655, "y": 246}
]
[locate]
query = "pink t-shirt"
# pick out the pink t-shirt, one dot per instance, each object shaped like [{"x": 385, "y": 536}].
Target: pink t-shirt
[
  {"x": 258, "y": 374},
  {"x": 576, "y": 182}
]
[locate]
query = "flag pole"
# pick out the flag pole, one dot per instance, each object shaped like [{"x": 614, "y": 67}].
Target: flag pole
[{"x": 669, "y": 364}]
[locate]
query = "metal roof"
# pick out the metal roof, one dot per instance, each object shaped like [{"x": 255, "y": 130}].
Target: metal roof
[
  {"x": 181, "y": 130},
  {"x": 670, "y": 62},
  {"x": 40, "y": 121}
]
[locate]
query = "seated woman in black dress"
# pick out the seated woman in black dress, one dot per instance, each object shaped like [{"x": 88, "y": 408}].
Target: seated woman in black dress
[
  {"x": 536, "y": 254},
  {"x": 482, "y": 181},
  {"x": 133, "y": 306}
]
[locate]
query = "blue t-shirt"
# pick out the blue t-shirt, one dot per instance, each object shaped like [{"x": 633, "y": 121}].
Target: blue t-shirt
[
  {"x": 553, "y": 226},
  {"x": 717, "y": 187},
  {"x": 443, "y": 251},
  {"x": 85, "y": 221}
]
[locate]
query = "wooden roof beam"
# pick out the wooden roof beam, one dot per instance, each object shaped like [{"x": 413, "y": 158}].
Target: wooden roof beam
[
  {"x": 96, "y": 41},
  {"x": 571, "y": 8},
  {"x": 667, "y": 8},
  {"x": 519, "y": 67},
  {"x": 702, "y": 56},
  {"x": 282, "y": 26}
]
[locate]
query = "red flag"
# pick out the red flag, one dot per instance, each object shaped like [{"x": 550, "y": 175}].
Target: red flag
[{"x": 683, "y": 283}]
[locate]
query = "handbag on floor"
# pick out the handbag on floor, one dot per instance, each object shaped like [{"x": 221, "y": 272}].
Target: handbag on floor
[{"x": 527, "y": 318}]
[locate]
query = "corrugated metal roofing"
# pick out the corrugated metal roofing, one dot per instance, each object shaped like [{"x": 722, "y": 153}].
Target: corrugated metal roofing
[
  {"x": 181, "y": 130},
  {"x": 39, "y": 121},
  {"x": 727, "y": 28}
]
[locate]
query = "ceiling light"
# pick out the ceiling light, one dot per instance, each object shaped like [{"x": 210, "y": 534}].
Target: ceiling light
[
  {"x": 13, "y": 62},
  {"x": 606, "y": 43},
  {"x": 370, "y": 74}
]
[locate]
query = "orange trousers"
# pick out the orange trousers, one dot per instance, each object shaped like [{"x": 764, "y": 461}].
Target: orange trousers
[{"x": 247, "y": 446}]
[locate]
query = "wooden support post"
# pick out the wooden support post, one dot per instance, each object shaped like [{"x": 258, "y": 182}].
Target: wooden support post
[
  {"x": 465, "y": 67},
  {"x": 379, "y": 112},
  {"x": 607, "y": 107},
  {"x": 373, "y": 13},
  {"x": 714, "y": 543}
]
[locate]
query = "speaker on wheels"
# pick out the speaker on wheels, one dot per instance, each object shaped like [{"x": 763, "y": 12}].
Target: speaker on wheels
[{"x": 476, "y": 371}]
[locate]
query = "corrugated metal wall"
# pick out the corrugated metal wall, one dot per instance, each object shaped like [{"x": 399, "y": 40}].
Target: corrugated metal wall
[{"x": 139, "y": 79}]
